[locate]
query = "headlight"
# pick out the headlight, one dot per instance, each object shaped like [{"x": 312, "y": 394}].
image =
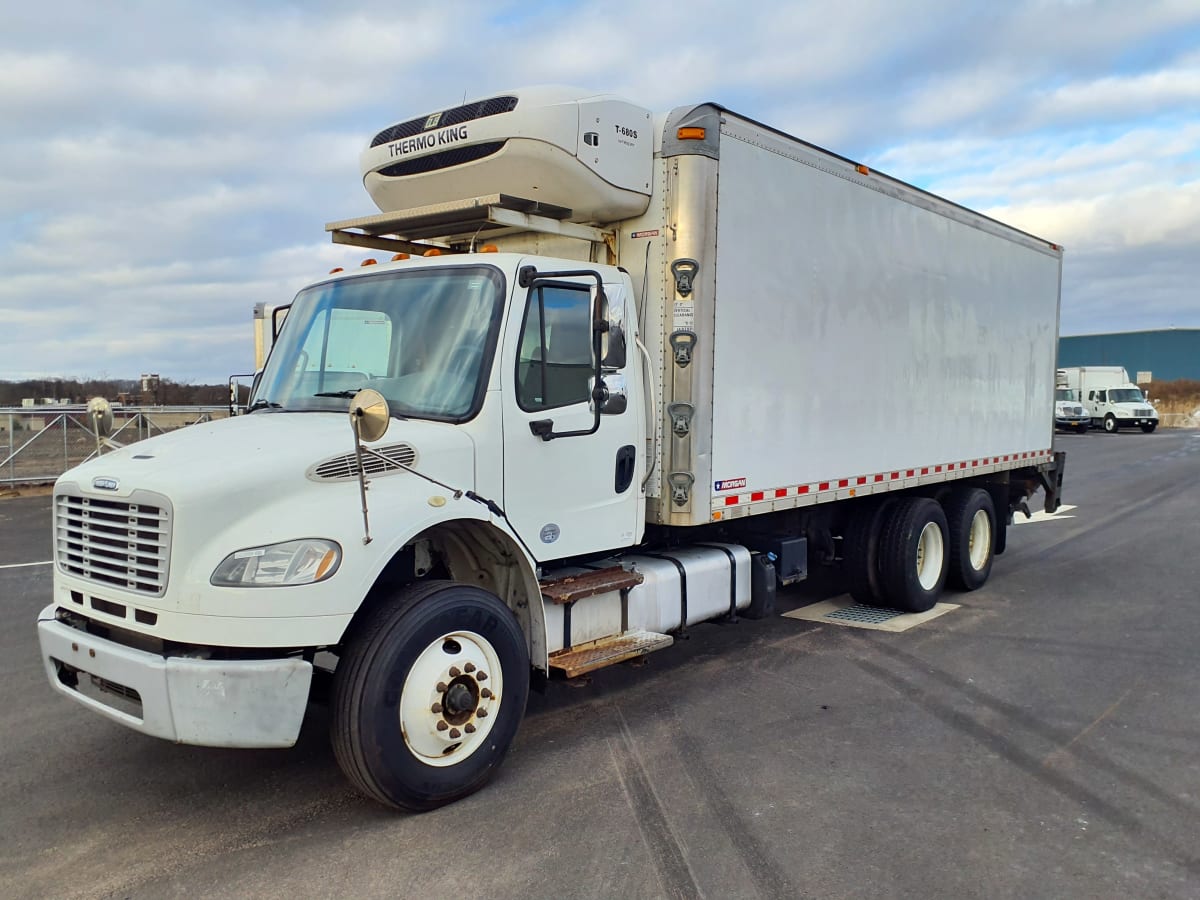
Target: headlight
[{"x": 293, "y": 562}]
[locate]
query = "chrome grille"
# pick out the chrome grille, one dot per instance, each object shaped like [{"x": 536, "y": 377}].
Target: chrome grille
[
  {"x": 125, "y": 543},
  {"x": 1141, "y": 412},
  {"x": 344, "y": 468}
]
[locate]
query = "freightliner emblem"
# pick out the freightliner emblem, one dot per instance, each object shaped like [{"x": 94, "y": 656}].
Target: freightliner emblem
[{"x": 105, "y": 484}]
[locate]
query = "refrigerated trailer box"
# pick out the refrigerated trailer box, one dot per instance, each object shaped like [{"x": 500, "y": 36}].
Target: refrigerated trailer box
[{"x": 622, "y": 373}]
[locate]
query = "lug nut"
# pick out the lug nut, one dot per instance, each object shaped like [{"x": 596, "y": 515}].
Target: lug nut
[
  {"x": 469, "y": 728},
  {"x": 437, "y": 708},
  {"x": 454, "y": 672},
  {"x": 455, "y": 733},
  {"x": 441, "y": 687},
  {"x": 469, "y": 667},
  {"x": 482, "y": 713},
  {"x": 481, "y": 675},
  {"x": 441, "y": 725},
  {"x": 485, "y": 694}
]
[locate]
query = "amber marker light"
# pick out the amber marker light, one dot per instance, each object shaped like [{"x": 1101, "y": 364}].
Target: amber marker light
[
  {"x": 862, "y": 170},
  {"x": 328, "y": 560},
  {"x": 336, "y": 270},
  {"x": 489, "y": 248},
  {"x": 690, "y": 133},
  {"x": 399, "y": 256},
  {"x": 434, "y": 252},
  {"x": 367, "y": 262}
]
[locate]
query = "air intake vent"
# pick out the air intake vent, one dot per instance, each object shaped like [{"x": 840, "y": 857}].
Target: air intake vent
[
  {"x": 344, "y": 468},
  {"x": 125, "y": 544},
  {"x": 456, "y": 116},
  {"x": 444, "y": 160}
]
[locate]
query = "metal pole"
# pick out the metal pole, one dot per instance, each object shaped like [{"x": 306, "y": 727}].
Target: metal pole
[
  {"x": 12, "y": 477},
  {"x": 66, "y": 458}
]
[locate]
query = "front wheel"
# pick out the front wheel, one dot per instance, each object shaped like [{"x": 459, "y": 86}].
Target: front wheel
[
  {"x": 428, "y": 695},
  {"x": 1149, "y": 428},
  {"x": 1083, "y": 429},
  {"x": 1110, "y": 423}
]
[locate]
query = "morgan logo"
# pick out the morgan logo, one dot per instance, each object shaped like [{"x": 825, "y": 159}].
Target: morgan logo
[
  {"x": 432, "y": 121},
  {"x": 105, "y": 484},
  {"x": 729, "y": 484}
]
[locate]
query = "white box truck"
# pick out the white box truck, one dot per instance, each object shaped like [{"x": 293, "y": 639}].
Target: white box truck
[
  {"x": 622, "y": 373},
  {"x": 1069, "y": 411},
  {"x": 1112, "y": 400}
]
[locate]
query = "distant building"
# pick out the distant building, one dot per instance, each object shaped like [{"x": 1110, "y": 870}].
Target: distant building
[{"x": 1168, "y": 354}]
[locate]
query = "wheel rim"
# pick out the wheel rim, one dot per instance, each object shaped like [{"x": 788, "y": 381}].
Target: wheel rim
[
  {"x": 451, "y": 698},
  {"x": 979, "y": 540},
  {"x": 930, "y": 549},
  {"x": 1110, "y": 424}
]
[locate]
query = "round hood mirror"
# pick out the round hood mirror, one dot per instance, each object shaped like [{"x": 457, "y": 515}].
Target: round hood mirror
[
  {"x": 369, "y": 415},
  {"x": 100, "y": 415}
]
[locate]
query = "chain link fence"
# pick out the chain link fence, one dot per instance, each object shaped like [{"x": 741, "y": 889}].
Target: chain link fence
[{"x": 39, "y": 443}]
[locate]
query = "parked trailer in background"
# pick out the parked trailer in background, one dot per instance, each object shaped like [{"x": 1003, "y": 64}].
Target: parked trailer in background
[{"x": 623, "y": 373}]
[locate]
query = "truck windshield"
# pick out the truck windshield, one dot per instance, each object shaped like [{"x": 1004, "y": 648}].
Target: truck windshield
[
  {"x": 1125, "y": 395},
  {"x": 1062, "y": 394},
  {"x": 422, "y": 338}
]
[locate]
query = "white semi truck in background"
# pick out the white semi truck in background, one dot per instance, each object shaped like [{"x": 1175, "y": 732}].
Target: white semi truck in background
[
  {"x": 616, "y": 374},
  {"x": 1111, "y": 399}
]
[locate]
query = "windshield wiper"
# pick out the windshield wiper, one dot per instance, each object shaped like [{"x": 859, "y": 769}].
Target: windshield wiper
[
  {"x": 263, "y": 404},
  {"x": 345, "y": 394}
]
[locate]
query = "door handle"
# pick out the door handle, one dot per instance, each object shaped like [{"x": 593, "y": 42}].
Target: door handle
[{"x": 626, "y": 466}]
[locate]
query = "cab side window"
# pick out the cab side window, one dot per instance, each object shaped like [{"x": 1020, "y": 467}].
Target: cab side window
[{"x": 554, "y": 362}]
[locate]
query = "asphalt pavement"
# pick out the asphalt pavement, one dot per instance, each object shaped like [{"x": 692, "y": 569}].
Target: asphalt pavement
[{"x": 1043, "y": 740}]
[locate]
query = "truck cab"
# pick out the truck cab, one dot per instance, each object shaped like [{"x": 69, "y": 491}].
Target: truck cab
[{"x": 1069, "y": 413}]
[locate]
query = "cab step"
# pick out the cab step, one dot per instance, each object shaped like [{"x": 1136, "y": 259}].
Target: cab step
[
  {"x": 607, "y": 652},
  {"x": 574, "y": 587}
]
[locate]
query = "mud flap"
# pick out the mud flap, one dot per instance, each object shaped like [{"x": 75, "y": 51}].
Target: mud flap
[{"x": 1051, "y": 475}]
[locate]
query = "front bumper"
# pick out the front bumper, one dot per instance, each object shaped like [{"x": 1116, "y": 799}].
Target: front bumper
[
  {"x": 1072, "y": 421},
  {"x": 211, "y": 703},
  {"x": 1136, "y": 421}
]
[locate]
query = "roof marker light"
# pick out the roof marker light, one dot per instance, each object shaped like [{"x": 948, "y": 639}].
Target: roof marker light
[
  {"x": 861, "y": 169},
  {"x": 489, "y": 248},
  {"x": 335, "y": 271},
  {"x": 367, "y": 262},
  {"x": 690, "y": 133},
  {"x": 399, "y": 256},
  {"x": 434, "y": 252}
]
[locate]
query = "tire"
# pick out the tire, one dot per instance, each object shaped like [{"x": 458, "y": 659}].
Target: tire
[
  {"x": 860, "y": 552},
  {"x": 1110, "y": 423},
  {"x": 971, "y": 518},
  {"x": 1149, "y": 429},
  {"x": 387, "y": 737},
  {"x": 1083, "y": 429},
  {"x": 913, "y": 556}
]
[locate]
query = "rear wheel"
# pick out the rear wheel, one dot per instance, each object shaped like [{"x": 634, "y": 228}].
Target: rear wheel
[
  {"x": 971, "y": 517},
  {"x": 860, "y": 552},
  {"x": 1110, "y": 423},
  {"x": 429, "y": 694},
  {"x": 912, "y": 554}
]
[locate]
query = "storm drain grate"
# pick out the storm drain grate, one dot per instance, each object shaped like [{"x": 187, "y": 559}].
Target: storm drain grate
[
  {"x": 845, "y": 613},
  {"x": 860, "y": 613}
]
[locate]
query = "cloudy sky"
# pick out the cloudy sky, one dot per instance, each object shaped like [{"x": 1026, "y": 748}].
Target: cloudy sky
[{"x": 166, "y": 165}]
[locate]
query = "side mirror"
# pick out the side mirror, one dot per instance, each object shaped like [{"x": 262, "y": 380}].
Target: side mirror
[
  {"x": 612, "y": 340},
  {"x": 614, "y": 394}
]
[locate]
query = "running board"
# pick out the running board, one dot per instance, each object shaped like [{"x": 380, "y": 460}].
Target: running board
[{"x": 607, "y": 652}]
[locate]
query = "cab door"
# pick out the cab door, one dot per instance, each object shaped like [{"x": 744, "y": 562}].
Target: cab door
[{"x": 569, "y": 492}]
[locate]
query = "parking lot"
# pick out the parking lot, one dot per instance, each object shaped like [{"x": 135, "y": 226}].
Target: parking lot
[{"x": 1043, "y": 740}]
